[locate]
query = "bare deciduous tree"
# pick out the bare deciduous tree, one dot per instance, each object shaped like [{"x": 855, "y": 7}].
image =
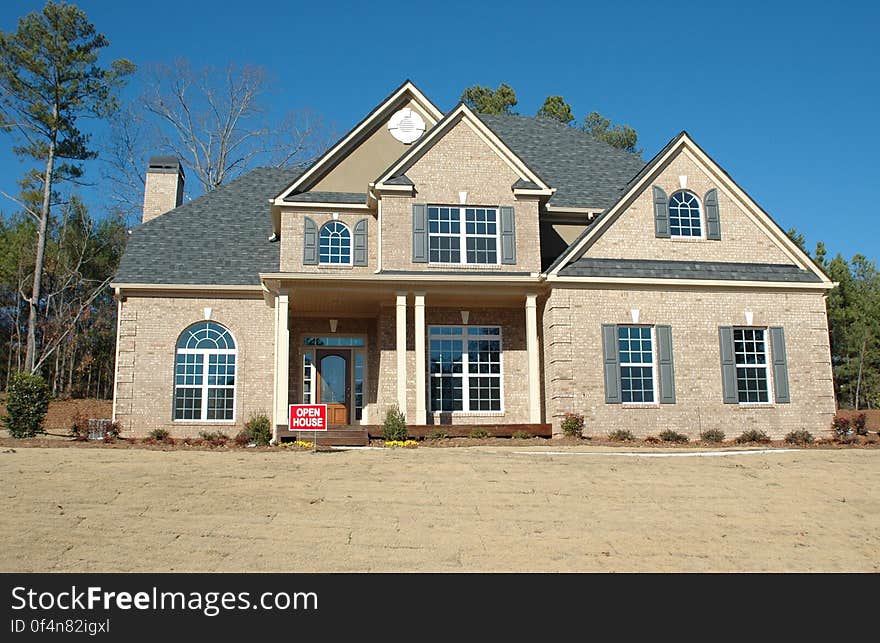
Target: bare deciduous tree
[{"x": 214, "y": 121}]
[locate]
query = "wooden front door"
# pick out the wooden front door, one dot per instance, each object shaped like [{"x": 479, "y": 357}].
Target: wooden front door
[{"x": 334, "y": 383}]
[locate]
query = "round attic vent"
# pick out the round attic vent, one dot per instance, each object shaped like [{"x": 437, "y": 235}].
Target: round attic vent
[{"x": 406, "y": 126}]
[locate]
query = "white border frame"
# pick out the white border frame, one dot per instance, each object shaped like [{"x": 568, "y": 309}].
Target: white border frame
[
  {"x": 350, "y": 262},
  {"x": 204, "y": 387},
  {"x": 701, "y": 210},
  {"x": 768, "y": 358},
  {"x": 465, "y": 398},
  {"x": 655, "y": 368},
  {"x": 364, "y": 350},
  {"x": 462, "y": 235}
]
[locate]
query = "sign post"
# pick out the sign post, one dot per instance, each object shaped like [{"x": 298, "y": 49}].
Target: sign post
[{"x": 309, "y": 417}]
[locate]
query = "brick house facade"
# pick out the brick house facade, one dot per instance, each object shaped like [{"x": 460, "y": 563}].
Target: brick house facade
[{"x": 491, "y": 270}]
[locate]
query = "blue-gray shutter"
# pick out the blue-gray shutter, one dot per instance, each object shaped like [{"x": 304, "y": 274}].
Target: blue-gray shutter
[
  {"x": 420, "y": 233},
  {"x": 508, "y": 236},
  {"x": 612, "y": 364},
  {"x": 780, "y": 365},
  {"x": 359, "y": 246},
  {"x": 728, "y": 365},
  {"x": 713, "y": 220},
  {"x": 310, "y": 242},
  {"x": 665, "y": 363},
  {"x": 661, "y": 213}
]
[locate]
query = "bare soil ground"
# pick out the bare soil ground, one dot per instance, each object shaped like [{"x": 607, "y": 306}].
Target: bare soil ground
[{"x": 467, "y": 509}]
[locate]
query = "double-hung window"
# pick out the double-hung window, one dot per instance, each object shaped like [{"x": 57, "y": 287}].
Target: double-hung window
[
  {"x": 638, "y": 380},
  {"x": 462, "y": 235},
  {"x": 750, "y": 355},
  {"x": 465, "y": 368}
]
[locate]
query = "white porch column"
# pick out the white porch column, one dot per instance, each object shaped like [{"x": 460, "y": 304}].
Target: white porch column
[
  {"x": 401, "y": 351},
  {"x": 421, "y": 413},
  {"x": 533, "y": 358},
  {"x": 282, "y": 360}
]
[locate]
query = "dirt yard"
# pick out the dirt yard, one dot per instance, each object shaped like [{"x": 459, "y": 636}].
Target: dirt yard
[{"x": 467, "y": 509}]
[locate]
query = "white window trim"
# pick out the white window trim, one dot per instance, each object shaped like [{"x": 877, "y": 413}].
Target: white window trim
[
  {"x": 465, "y": 384},
  {"x": 462, "y": 235},
  {"x": 768, "y": 362},
  {"x": 350, "y": 245},
  {"x": 702, "y": 211},
  {"x": 655, "y": 379},
  {"x": 204, "y": 386}
]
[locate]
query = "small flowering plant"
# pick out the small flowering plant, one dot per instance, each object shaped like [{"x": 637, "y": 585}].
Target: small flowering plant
[{"x": 406, "y": 444}]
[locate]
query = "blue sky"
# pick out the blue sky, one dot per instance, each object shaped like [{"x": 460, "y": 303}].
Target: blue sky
[{"x": 785, "y": 96}]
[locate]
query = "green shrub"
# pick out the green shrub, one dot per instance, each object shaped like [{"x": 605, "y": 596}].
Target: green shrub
[
  {"x": 712, "y": 435},
  {"x": 27, "y": 400},
  {"x": 573, "y": 425},
  {"x": 160, "y": 435},
  {"x": 394, "y": 427},
  {"x": 752, "y": 435},
  {"x": 521, "y": 435},
  {"x": 860, "y": 424},
  {"x": 621, "y": 435},
  {"x": 480, "y": 434},
  {"x": 653, "y": 439},
  {"x": 799, "y": 437},
  {"x": 841, "y": 426},
  {"x": 258, "y": 429},
  {"x": 214, "y": 438},
  {"x": 672, "y": 436},
  {"x": 436, "y": 434}
]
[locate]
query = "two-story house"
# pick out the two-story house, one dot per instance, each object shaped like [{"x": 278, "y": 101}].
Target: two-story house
[{"x": 473, "y": 270}]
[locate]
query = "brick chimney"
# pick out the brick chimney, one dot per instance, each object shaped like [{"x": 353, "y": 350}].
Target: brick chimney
[{"x": 164, "y": 186}]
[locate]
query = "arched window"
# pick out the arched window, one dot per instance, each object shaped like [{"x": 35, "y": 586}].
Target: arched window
[
  {"x": 335, "y": 244},
  {"x": 684, "y": 215},
  {"x": 204, "y": 373}
]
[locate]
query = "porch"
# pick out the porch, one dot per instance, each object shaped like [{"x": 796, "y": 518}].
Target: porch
[
  {"x": 360, "y": 435},
  {"x": 443, "y": 350}
]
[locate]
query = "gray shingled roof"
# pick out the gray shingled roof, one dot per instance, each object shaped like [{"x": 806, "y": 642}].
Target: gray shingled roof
[
  {"x": 591, "y": 267},
  {"x": 586, "y": 172},
  {"x": 327, "y": 197},
  {"x": 219, "y": 238}
]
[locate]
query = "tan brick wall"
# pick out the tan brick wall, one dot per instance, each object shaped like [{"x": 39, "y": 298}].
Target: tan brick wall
[
  {"x": 459, "y": 162},
  {"x": 574, "y": 365},
  {"x": 631, "y": 236},
  {"x": 292, "y": 224},
  {"x": 163, "y": 191},
  {"x": 148, "y": 334}
]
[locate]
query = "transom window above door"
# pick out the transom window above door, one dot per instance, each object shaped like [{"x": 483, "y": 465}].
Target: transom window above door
[{"x": 463, "y": 235}]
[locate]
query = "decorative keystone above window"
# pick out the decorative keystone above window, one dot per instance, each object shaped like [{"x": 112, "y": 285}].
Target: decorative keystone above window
[{"x": 406, "y": 126}]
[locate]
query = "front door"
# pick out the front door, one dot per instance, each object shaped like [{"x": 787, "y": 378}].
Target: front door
[{"x": 334, "y": 383}]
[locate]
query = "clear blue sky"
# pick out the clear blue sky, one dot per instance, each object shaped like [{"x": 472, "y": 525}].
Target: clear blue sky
[{"x": 784, "y": 95}]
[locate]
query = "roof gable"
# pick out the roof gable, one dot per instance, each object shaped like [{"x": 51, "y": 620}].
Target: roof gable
[
  {"x": 363, "y": 132},
  {"x": 463, "y": 114},
  {"x": 779, "y": 248}
]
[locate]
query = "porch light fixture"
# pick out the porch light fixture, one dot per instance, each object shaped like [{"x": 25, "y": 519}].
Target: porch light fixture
[
  {"x": 465, "y": 315},
  {"x": 634, "y": 313},
  {"x": 333, "y": 323},
  {"x": 749, "y": 317}
]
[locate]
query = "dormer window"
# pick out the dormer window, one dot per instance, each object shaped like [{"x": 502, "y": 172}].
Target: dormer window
[
  {"x": 334, "y": 244},
  {"x": 685, "y": 217}
]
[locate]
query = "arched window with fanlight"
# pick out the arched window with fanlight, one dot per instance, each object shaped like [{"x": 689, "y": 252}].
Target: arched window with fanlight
[
  {"x": 334, "y": 244},
  {"x": 685, "y": 216},
  {"x": 204, "y": 373}
]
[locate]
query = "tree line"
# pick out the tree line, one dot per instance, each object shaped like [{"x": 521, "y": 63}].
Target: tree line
[{"x": 57, "y": 258}]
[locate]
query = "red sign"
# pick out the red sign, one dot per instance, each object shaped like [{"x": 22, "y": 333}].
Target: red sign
[{"x": 308, "y": 417}]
